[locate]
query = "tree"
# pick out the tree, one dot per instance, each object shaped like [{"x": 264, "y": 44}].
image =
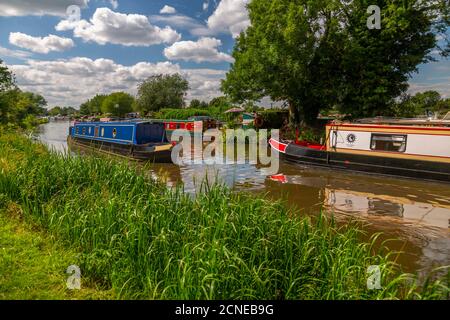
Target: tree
[
  {"x": 16, "y": 106},
  {"x": 316, "y": 55},
  {"x": 55, "y": 111},
  {"x": 221, "y": 103},
  {"x": 162, "y": 91},
  {"x": 93, "y": 106},
  {"x": 118, "y": 104},
  {"x": 195, "y": 103},
  {"x": 6, "y": 78},
  {"x": 420, "y": 104}
]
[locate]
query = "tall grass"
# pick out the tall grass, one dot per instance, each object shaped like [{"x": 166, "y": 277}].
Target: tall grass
[{"x": 148, "y": 242}]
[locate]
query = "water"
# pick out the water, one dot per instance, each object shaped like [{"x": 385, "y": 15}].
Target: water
[{"x": 415, "y": 214}]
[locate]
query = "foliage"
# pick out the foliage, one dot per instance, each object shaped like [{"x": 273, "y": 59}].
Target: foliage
[
  {"x": 180, "y": 114},
  {"x": 16, "y": 106},
  {"x": 161, "y": 91},
  {"x": 145, "y": 241},
  {"x": 420, "y": 104},
  {"x": 62, "y": 111},
  {"x": 118, "y": 104},
  {"x": 273, "y": 118},
  {"x": 197, "y": 104},
  {"x": 6, "y": 78},
  {"x": 320, "y": 54},
  {"x": 93, "y": 106}
]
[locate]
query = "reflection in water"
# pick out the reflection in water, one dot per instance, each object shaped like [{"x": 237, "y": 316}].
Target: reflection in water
[
  {"x": 54, "y": 134},
  {"x": 414, "y": 212}
]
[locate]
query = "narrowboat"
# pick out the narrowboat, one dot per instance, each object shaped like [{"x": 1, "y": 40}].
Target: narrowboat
[
  {"x": 195, "y": 125},
  {"x": 406, "y": 148},
  {"x": 139, "y": 140}
]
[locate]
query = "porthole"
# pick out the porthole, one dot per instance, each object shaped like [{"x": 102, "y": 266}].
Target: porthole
[{"x": 114, "y": 132}]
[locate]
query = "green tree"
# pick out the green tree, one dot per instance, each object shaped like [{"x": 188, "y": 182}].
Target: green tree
[
  {"x": 320, "y": 54},
  {"x": 6, "y": 78},
  {"x": 6, "y": 84},
  {"x": 162, "y": 91},
  {"x": 195, "y": 104},
  {"x": 93, "y": 106},
  {"x": 420, "y": 104},
  {"x": 55, "y": 111},
  {"x": 118, "y": 104}
]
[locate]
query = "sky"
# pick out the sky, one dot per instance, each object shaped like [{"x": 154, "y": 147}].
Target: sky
[{"x": 70, "y": 50}]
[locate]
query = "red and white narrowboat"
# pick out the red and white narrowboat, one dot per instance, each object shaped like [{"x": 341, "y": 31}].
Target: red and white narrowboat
[{"x": 407, "y": 148}]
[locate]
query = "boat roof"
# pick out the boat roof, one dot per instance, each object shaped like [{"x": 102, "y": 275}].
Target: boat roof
[
  {"x": 119, "y": 122},
  {"x": 416, "y": 122}
]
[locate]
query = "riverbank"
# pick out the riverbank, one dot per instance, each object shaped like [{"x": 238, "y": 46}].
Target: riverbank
[
  {"x": 33, "y": 264},
  {"x": 138, "y": 239}
]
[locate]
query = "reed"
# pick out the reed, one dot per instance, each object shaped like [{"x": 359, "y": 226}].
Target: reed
[{"x": 145, "y": 241}]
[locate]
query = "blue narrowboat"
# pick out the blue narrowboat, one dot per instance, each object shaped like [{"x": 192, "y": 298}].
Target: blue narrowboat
[{"x": 140, "y": 140}]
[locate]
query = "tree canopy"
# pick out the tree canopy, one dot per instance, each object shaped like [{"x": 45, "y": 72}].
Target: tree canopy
[
  {"x": 118, "y": 104},
  {"x": 420, "y": 104},
  {"x": 321, "y": 54},
  {"x": 161, "y": 91},
  {"x": 93, "y": 106}
]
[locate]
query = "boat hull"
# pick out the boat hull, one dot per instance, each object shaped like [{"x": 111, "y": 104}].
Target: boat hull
[
  {"x": 407, "y": 168},
  {"x": 156, "y": 153}
]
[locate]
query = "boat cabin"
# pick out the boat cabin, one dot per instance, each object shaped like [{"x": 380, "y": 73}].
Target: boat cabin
[
  {"x": 126, "y": 133},
  {"x": 390, "y": 140}
]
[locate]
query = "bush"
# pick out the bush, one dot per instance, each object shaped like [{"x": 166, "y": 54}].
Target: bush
[
  {"x": 273, "y": 118},
  {"x": 180, "y": 114}
]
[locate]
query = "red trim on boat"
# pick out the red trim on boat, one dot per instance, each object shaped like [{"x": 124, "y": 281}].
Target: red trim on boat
[
  {"x": 412, "y": 127},
  {"x": 278, "y": 146}
]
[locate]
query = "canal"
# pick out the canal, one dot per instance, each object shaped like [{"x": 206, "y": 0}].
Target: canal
[{"x": 414, "y": 214}]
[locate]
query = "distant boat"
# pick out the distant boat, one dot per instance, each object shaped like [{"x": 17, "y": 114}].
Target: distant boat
[
  {"x": 196, "y": 126},
  {"x": 139, "y": 140},
  {"x": 411, "y": 148}
]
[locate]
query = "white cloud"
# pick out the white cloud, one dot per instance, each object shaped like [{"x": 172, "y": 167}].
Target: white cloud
[
  {"x": 168, "y": 10},
  {"x": 40, "y": 44},
  {"x": 18, "y": 54},
  {"x": 205, "y": 5},
  {"x": 114, "y": 3},
  {"x": 38, "y": 8},
  {"x": 182, "y": 22},
  {"x": 107, "y": 26},
  {"x": 203, "y": 50},
  {"x": 230, "y": 16},
  {"x": 69, "y": 82}
]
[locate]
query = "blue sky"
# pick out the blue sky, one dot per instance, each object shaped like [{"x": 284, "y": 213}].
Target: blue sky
[{"x": 117, "y": 43}]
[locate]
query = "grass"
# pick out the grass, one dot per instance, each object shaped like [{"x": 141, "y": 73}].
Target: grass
[
  {"x": 33, "y": 265},
  {"x": 139, "y": 240}
]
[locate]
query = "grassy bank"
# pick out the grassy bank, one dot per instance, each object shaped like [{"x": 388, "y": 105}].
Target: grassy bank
[
  {"x": 138, "y": 239},
  {"x": 33, "y": 264}
]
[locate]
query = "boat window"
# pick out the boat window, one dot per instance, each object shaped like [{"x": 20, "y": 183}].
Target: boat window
[
  {"x": 114, "y": 132},
  {"x": 388, "y": 142},
  {"x": 89, "y": 130},
  {"x": 102, "y": 132},
  {"x": 77, "y": 130},
  {"x": 84, "y": 130}
]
